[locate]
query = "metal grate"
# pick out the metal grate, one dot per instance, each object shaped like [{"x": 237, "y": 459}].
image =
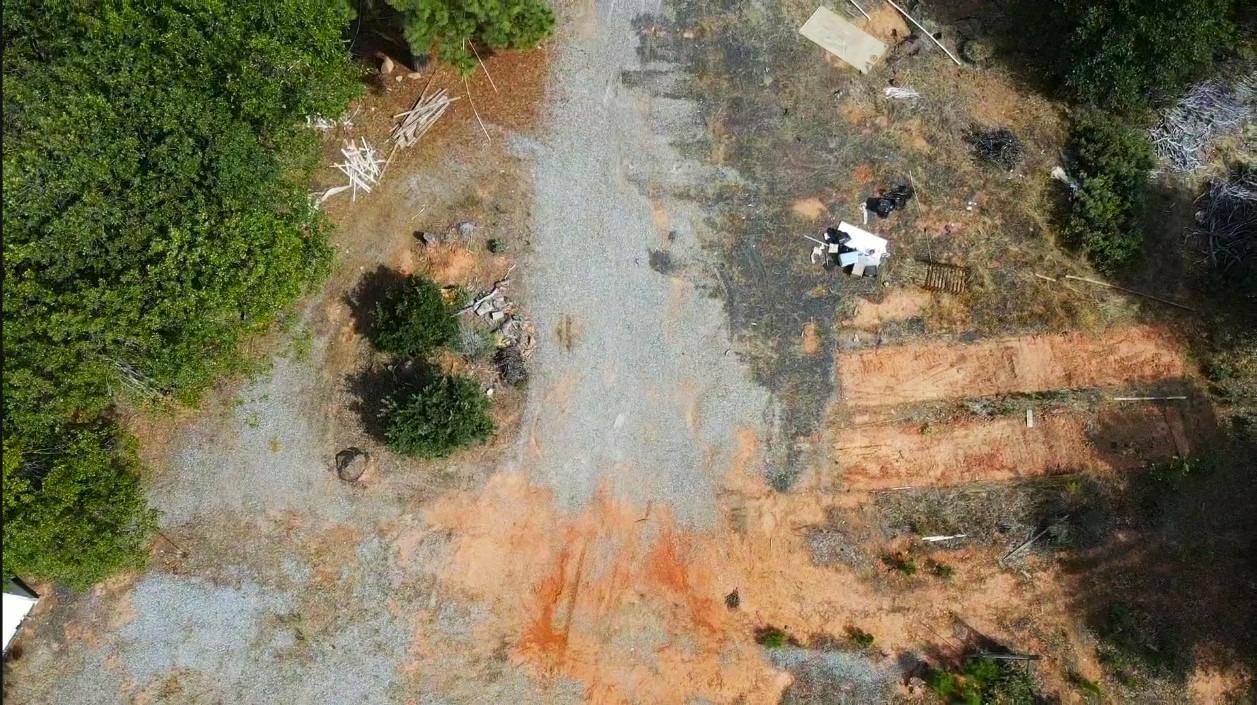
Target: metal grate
[{"x": 950, "y": 278}]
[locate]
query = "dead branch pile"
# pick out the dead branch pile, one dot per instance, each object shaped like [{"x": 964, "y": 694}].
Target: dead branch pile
[
  {"x": 362, "y": 165},
  {"x": 420, "y": 118},
  {"x": 1000, "y": 147},
  {"x": 1210, "y": 110},
  {"x": 1226, "y": 224}
]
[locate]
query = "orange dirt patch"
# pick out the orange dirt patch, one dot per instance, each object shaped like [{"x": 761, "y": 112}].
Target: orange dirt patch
[
  {"x": 561, "y": 586},
  {"x": 808, "y": 208},
  {"x": 886, "y": 24},
  {"x": 1208, "y": 686},
  {"x": 659, "y": 216},
  {"x": 452, "y": 264},
  {"x": 918, "y": 373},
  {"x": 883, "y": 457},
  {"x": 624, "y": 601},
  {"x": 898, "y": 305},
  {"x": 811, "y": 342},
  {"x": 854, "y": 113}
]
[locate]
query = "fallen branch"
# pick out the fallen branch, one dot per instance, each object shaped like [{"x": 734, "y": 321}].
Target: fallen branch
[
  {"x": 1029, "y": 542},
  {"x": 472, "y": 101},
  {"x": 486, "y": 70},
  {"x": 1131, "y": 291},
  {"x": 1170, "y": 398},
  {"x": 935, "y": 539}
]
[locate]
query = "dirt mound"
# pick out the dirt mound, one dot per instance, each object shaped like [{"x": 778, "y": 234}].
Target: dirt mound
[{"x": 917, "y": 373}]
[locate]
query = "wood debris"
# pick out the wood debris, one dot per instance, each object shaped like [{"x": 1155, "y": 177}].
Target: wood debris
[
  {"x": 897, "y": 93},
  {"x": 362, "y": 165},
  {"x": 416, "y": 122}
]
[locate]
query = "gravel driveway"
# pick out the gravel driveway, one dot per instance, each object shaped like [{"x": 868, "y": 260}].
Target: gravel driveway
[
  {"x": 637, "y": 387},
  {"x": 277, "y": 583}
]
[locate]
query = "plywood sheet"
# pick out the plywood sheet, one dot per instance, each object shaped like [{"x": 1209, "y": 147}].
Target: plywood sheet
[{"x": 842, "y": 39}]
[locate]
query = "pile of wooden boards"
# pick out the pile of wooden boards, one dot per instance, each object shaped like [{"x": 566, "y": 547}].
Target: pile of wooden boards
[{"x": 420, "y": 118}]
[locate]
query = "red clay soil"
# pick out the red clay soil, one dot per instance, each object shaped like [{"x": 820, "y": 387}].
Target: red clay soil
[
  {"x": 1121, "y": 438},
  {"x": 917, "y": 373}
]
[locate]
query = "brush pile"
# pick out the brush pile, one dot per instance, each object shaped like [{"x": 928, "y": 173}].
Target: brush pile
[
  {"x": 999, "y": 147},
  {"x": 1211, "y": 109},
  {"x": 1226, "y": 224}
]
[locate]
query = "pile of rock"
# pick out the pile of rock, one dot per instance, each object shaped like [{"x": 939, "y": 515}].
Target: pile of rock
[{"x": 516, "y": 335}]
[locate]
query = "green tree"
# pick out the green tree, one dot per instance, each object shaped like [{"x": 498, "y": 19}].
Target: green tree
[
  {"x": 453, "y": 28},
  {"x": 155, "y": 215},
  {"x": 1124, "y": 51},
  {"x": 1112, "y": 163},
  {"x": 445, "y": 414},
  {"x": 414, "y": 319},
  {"x": 75, "y": 512},
  {"x": 155, "y": 209}
]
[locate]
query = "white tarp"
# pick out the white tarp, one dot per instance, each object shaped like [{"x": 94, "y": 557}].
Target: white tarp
[
  {"x": 864, "y": 242},
  {"x": 15, "y": 609}
]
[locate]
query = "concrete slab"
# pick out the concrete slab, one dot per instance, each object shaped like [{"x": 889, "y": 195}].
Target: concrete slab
[{"x": 842, "y": 39}]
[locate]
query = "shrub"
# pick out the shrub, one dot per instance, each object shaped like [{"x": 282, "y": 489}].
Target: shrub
[
  {"x": 983, "y": 681},
  {"x": 901, "y": 562},
  {"x": 772, "y": 637},
  {"x": 859, "y": 637},
  {"x": 1232, "y": 369},
  {"x": 1123, "y": 51},
  {"x": 414, "y": 319},
  {"x": 1112, "y": 164},
  {"x": 155, "y": 208},
  {"x": 441, "y": 416},
  {"x": 74, "y": 512},
  {"x": 1089, "y": 688},
  {"x": 453, "y": 28},
  {"x": 941, "y": 570}
]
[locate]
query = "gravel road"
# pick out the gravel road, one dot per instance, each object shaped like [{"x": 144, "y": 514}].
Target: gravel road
[{"x": 636, "y": 387}]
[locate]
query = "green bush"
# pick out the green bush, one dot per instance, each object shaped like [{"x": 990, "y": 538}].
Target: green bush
[
  {"x": 983, "y": 681},
  {"x": 155, "y": 176},
  {"x": 74, "y": 512},
  {"x": 859, "y": 637},
  {"x": 772, "y": 637},
  {"x": 1112, "y": 166},
  {"x": 1089, "y": 688},
  {"x": 414, "y": 319},
  {"x": 1135, "y": 644},
  {"x": 453, "y": 28},
  {"x": 441, "y": 416},
  {"x": 901, "y": 562},
  {"x": 1122, "y": 52}
]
